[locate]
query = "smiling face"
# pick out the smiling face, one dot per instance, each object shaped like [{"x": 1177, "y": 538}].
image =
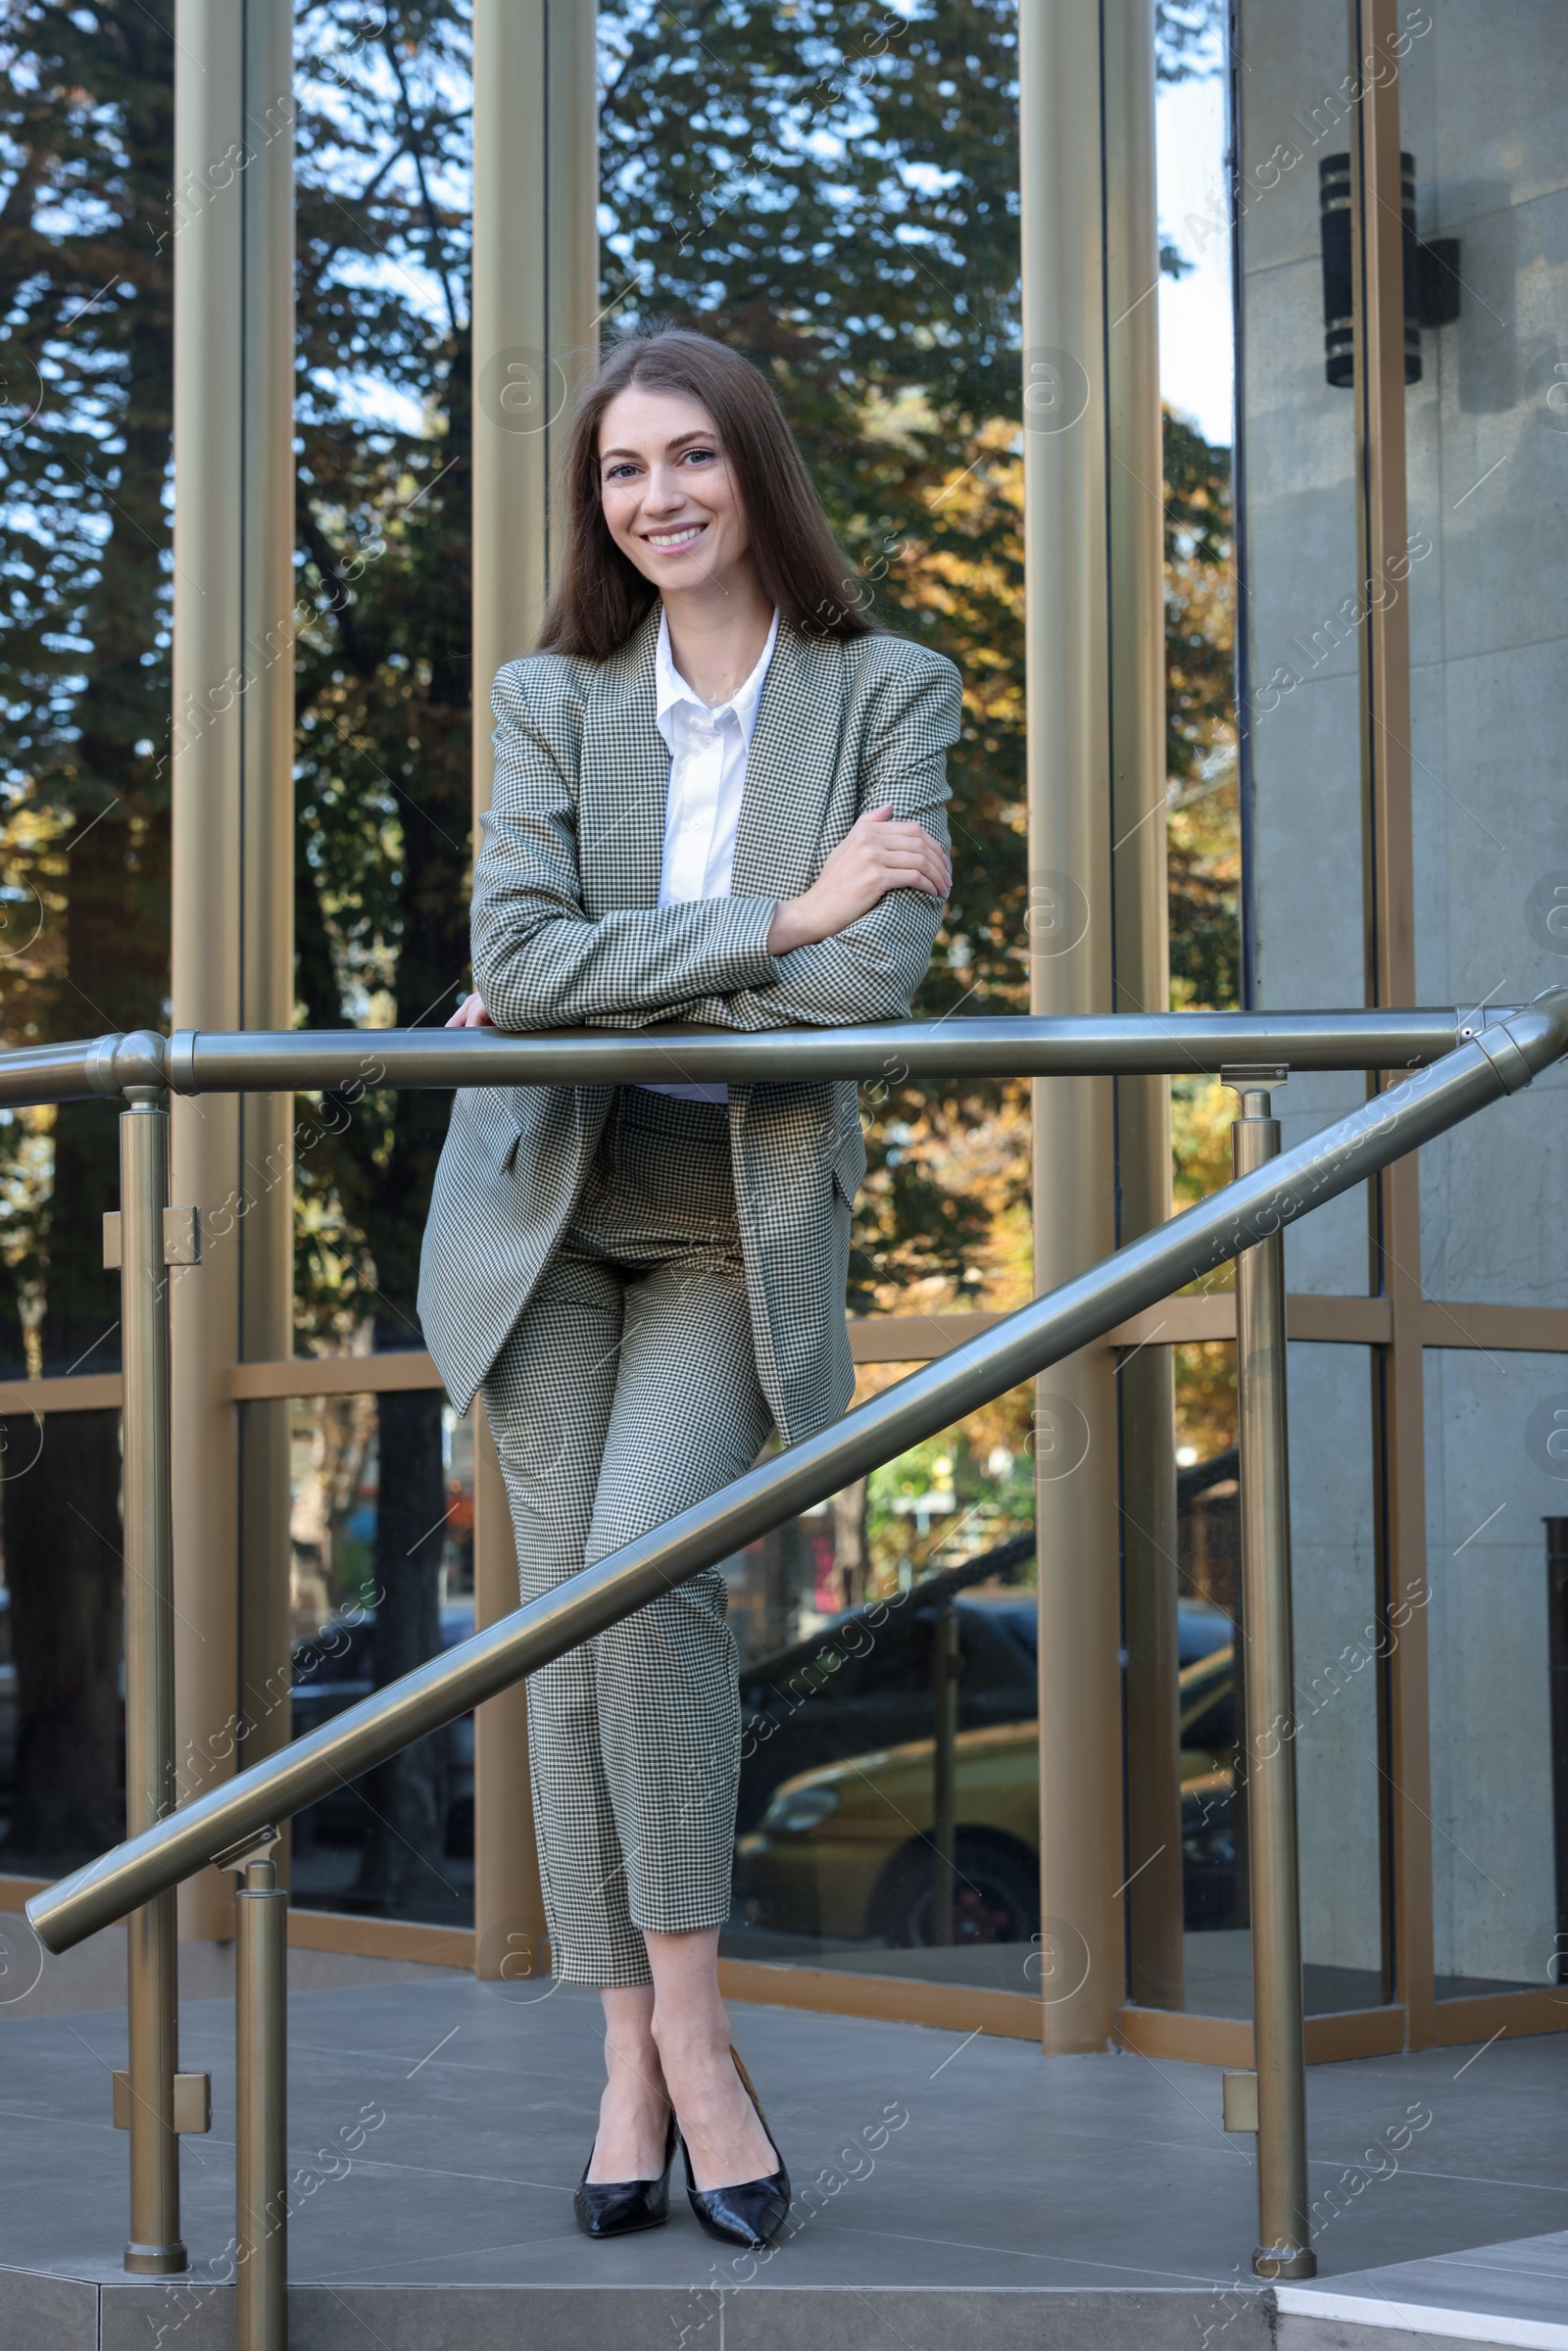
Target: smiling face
[{"x": 671, "y": 499}]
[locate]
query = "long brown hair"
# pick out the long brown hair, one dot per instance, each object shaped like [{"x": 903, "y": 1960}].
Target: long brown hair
[{"x": 601, "y": 595}]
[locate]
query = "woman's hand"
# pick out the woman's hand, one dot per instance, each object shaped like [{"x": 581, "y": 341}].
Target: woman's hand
[
  {"x": 878, "y": 854},
  {"x": 470, "y": 1015}
]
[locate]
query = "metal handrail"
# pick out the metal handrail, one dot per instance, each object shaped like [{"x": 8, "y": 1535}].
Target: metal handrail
[
  {"x": 1092, "y": 1045},
  {"x": 232, "y": 1825},
  {"x": 1424, "y": 1104}
]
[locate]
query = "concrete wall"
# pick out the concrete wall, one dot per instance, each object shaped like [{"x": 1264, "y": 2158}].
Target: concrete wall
[
  {"x": 1489, "y": 1482},
  {"x": 1484, "y": 92}
]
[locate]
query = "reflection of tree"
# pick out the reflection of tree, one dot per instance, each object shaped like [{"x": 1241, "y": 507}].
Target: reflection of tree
[
  {"x": 1205, "y": 1397},
  {"x": 85, "y": 290},
  {"x": 1204, "y": 847},
  {"x": 333, "y": 1436},
  {"x": 1203, "y": 821},
  {"x": 882, "y": 296},
  {"x": 852, "y": 1545},
  {"x": 384, "y": 716}
]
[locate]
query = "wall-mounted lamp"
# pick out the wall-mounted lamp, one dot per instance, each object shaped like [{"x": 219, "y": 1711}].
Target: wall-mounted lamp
[{"x": 1431, "y": 273}]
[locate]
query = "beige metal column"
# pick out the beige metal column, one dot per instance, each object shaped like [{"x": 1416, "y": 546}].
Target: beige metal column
[
  {"x": 261, "y": 2107},
  {"x": 1378, "y": 296},
  {"x": 266, "y": 908},
  {"x": 1135, "y": 499},
  {"x": 1284, "y": 2221},
  {"x": 535, "y": 336},
  {"x": 232, "y": 800},
  {"x": 1069, "y": 945},
  {"x": 152, "y": 1989},
  {"x": 535, "y": 305}
]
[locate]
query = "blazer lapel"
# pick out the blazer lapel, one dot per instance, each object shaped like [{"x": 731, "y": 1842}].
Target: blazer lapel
[
  {"x": 623, "y": 781},
  {"x": 790, "y": 769}
]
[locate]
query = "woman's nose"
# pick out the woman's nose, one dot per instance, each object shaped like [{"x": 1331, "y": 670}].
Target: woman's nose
[{"x": 666, "y": 492}]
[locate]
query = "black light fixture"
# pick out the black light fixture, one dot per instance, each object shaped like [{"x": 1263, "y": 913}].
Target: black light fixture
[{"x": 1431, "y": 273}]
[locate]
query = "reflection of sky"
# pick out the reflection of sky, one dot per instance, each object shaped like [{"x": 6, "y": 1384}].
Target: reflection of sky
[{"x": 1195, "y": 310}]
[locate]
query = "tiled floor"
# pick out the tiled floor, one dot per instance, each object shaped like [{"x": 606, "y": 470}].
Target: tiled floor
[{"x": 944, "y": 2187}]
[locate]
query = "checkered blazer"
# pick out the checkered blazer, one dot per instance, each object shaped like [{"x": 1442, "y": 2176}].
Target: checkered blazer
[{"x": 568, "y": 931}]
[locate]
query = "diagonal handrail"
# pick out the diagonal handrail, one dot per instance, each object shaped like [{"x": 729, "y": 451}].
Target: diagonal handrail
[{"x": 1497, "y": 1061}]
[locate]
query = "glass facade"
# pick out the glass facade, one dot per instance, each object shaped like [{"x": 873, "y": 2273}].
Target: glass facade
[
  {"x": 1479, "y": 463},
  {"x": 889, "y": 1817}
]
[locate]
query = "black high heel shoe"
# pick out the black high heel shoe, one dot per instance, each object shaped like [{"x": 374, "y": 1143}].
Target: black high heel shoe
[
  {"x": 752, "y": 2212},
  {"x": 617, "y": 2207}
]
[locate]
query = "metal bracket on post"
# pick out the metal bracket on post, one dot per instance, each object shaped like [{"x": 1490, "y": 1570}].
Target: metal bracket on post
[
  {"x": 182, "y": 1238},
  {"x": 1239, "y": 2095},
  {"x": 257, "y": 1848},
  {"x": 193, "y": 2103},
  {"x": 261, "y": 2094},
  {"x": 1276, "y": 2106}
]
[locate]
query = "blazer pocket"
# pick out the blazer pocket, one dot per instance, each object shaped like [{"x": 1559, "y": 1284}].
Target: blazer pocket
[{"x": 848, "y": 1165}]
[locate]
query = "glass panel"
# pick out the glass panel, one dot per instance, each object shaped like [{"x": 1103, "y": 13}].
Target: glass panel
[
  {"x": 1338, "y": 1673},
  {"x": 1216, "y": 1980},
  {"x": 84, "y": 527},
  {"x": 62, "y": 1653},
  {"x": 1336, "y": 1723},
  {"x": 1496, "y": 1523},
  {"x": 366, "y": 1606},
  {"x": 839, "y": 1706},
  {"x": 1483, "y": 122}
]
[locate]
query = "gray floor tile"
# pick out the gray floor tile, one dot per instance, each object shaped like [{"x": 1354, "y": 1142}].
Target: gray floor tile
[{"x": 444, "y": 2125}]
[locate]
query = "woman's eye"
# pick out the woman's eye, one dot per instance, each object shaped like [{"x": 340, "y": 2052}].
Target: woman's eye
[
  {"x": 702, "y": 457},
  {"x": 619, "y": 473}
]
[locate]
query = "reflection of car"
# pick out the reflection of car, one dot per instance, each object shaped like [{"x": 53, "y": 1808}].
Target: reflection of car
[
  {"x": 864, "y": 1681},
  {"x": 334, "y": 1668},
  {"x": 844, "y": 1851},
  {"x": 8, "y": 1696},
  {"x": 1209, "y": 1848}
]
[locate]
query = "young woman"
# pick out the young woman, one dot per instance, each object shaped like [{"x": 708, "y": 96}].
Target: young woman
[{"x": 718, "y": 798}]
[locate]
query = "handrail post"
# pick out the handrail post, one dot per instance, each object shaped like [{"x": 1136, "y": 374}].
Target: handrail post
[
  {"x": 1285, "y": 2243},
  {"x": 152, "y": 1950},
  {"x": 261, "y": 2103}
]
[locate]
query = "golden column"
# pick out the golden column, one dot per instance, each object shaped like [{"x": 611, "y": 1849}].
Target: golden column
[
  {"x": 535, "y": 336},
  {"x": 1387, "y": 869},
  {"x": 1096, "y": 940},
  {"x": 233, "y": 910},
  {"x": 1135, "y": 505}
]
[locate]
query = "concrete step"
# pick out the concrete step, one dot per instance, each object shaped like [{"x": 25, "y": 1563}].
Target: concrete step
[{"x": 1512, "y": 2293}]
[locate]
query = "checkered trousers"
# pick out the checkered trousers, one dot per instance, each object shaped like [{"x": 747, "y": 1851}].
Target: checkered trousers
[{"x": 628, "y": 1390}]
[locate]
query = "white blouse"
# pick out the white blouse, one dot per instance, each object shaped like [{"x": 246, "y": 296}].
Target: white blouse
[{"x": 709, "y": 749}]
